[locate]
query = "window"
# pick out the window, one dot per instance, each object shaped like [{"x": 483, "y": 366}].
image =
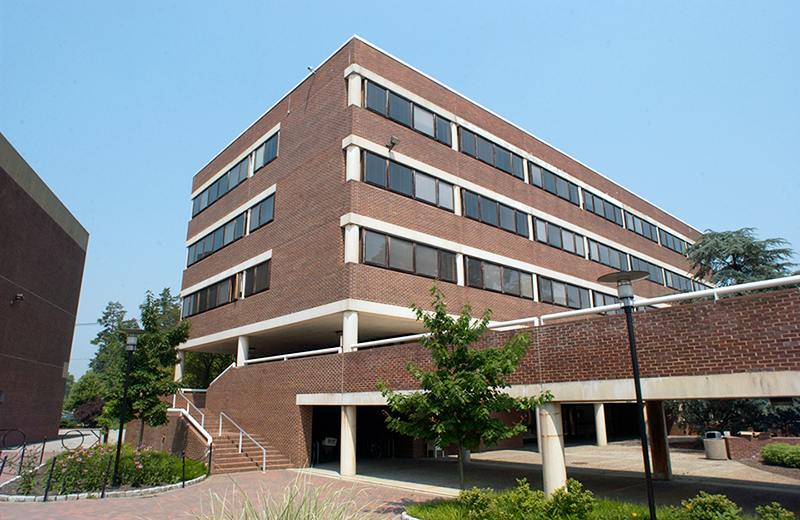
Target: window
[
  {"x": 641, "y": 227},
  {"x": 677, "y": 282},
  {"x": 558, "y": 237},
  {"x": 490, "y": 153},
  {"x": 398, "y": 108},
  {"x": 602, "y": 208},
  {"x": 405, "y": 181},
  {"x": 554, "y": 184},
  {"x": 498, "y": 278},
  {"x": 656, "y": 273},
  {"x": 403, "y": 255},
  {"x": 608, "y": 256},
  {"x": 563, "y": 294},
  {"x": 210, "y": 297},
  {"x": 672, "y": 242},
  {"x": 495, "y": 214},
  {"x": 262, "y": 213},
  {"x": 266, "y": 153},
  {"x": 256, "y": 279},
  {"x": 220, "y": 187},
  {"x": 216, "y": 240},
  {"x": 601, "y": 300}
]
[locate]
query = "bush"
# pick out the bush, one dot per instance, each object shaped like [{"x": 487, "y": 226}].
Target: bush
[
  {"x": 709, "y": 507},
  {"x": 521, "y": 503},
  {"x": 774, "y": 511},
  {"x": 781, "y": 454},
  {"x": 570, "y": 502}
]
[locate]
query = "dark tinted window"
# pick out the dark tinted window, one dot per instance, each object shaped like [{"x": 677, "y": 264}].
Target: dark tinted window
[
  {"x": 375, "y": 170},
  {"x": 400, "y": 179},
  {"x": 443, "y": 131},
  {"x": 467, "y": 142},
  {"x": 375, "y": 248},
  {"x": 471, "y": 205},
  {"x": 376, "y": 98},
  {"x": 489, "y": 212},
  {"x": 399, "y": 109}
]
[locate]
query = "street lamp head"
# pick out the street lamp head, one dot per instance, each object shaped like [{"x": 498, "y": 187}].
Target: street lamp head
[
  {"x": 624, "y": 282},
  {"x": 133, "y": 335}
]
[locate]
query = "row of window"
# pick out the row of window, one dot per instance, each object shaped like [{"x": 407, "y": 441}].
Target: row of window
[
  {"x": 235, "y": 176},
  {"x": 558, "y": 237},
  {"x": 671, "y": 241},
  {"x": 498, "y": 278},
  {"x": 602, "y": 208},
  {"x": 397, "y": 108},
  {"x": 410, "y": 257},
  {"x": 608, "y": 256},
  {"x": 641, "y": 227},
  {"x": 260, "y": 214},
  {"x": 656, "y": 273},
  {"x": 678, "y": 282},
  {"x": 490, "y": 153},
  {"x": 411, "y": 183},
  {"x": 554, "y": 184},
  {"x": 478, "y": 207},
  {"x": 564, "y": 294},
  {"x": 249, "y": 282}
]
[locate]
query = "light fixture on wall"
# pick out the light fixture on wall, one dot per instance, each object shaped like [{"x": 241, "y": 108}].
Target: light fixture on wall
[
  {"x": 392, "y": 143},
  {"x": 18, "y": 298},
  {"x": 624, "y": 282}
]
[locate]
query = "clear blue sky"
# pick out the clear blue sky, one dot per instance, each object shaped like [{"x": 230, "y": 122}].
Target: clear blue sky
[{"x": 116, "y": 105}]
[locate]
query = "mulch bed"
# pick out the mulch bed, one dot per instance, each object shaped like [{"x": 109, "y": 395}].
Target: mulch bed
[{"x": 777, "y": 470}]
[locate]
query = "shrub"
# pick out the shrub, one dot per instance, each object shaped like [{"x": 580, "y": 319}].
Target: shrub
[
  {"x": 709, "y": 507},
  {"x": 570, "y": 502},
  {"x": 774, "y": 511},
  {"x": 781, "y": 454}
]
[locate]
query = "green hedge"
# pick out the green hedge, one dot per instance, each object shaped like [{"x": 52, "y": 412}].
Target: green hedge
[{"x": 782, "y": 454}]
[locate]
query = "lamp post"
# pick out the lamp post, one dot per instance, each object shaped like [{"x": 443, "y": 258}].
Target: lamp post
[
  {"x": 130, "y": 347},
  {"x": 624, "y": 282}
]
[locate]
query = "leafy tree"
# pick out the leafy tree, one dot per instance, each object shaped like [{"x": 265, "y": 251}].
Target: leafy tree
[
  {"x": 735, "y": 415},
  {"x": 462, "y": 393},
  {"x": 734, "y": 257},
  {"x": 110, "y": 350},
  {"x": 203, "y": 367}
]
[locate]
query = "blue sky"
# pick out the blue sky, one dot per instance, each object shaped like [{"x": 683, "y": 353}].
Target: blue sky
[{"x": 694, "y": 106}]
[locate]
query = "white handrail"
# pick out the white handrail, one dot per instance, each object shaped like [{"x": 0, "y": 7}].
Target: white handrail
[
  {"x": 193, "y": 422},
  {"x": 284, "y": 357},
  {"x": 188, "y": 404},
  {"x": 241, "y": 431},
  {"x": 221, "y": 373}
]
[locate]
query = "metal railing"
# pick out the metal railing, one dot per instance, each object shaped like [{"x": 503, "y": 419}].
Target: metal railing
[
  {"x": 199, "y": 427},
  {"x": 284, "y": 357},
  {"x": 241, "y": 433},
  {"x": 188, "y": 405},
  {"x": 222, "y": 373}
]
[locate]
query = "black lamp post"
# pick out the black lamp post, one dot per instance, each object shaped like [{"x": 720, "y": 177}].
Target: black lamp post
[
  {"x": 624, "y": 282},
  {"x": 130, "y": 347}
]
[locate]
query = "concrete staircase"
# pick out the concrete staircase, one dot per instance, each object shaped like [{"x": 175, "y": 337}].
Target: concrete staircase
[{"x": 226, "y": 457}]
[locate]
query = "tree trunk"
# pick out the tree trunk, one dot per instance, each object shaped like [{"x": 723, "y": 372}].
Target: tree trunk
[
  {"x": 461, "y": 466},
  {"x": 141, "y": 433}
]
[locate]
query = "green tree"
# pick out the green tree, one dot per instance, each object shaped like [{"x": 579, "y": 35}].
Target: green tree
[
  {"x": 203, "y": 367},
  {"x": 734, "y": 257},
  {"x": 734, "y": 415},
  {"x": 110, "y": 350},
  {"x": 463, "y": 391}
]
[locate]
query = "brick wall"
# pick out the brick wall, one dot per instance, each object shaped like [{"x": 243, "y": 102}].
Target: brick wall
[
  {"x": 740, "y": 448},
  {"x": 175, "y": 437}
]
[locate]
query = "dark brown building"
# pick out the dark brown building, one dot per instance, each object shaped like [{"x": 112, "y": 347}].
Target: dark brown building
[{"x": 41, "y": 268}]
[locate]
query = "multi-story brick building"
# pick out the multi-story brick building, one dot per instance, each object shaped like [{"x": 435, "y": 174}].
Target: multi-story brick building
[{"x": 336, "y": 209}]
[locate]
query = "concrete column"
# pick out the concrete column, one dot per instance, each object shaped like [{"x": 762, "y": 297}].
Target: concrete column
[
  {"x": 242, "y": 350},
  {"x": 531, "y": 235},
  {"x": 349, "y": 332},
  {"x": 659, "y": 445},
  {"x": 453, "y": 136},
  {"x": 554, "y": 465},
  {"x": 353, "y": 164},
  {"x": 180, "y": 368},
  {"x": 600, "y": 424},
  {"x": 347, "y": 449},
  {"x": 457, "y": 206},
  {"x": 351, "y": 244},
  {"x": 354, "y": 83},
  {"x": 538, "y": 430},
  {"x": 460, "y": 280},
  {"x": 525, "y": 176}
]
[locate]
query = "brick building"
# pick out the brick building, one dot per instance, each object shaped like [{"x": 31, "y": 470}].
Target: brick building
[
  {"x": 320, "y": 223},
  {"x": 41, "y": 268}
]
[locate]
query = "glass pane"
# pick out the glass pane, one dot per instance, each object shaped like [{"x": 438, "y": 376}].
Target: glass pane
[
  {"x": 447, "y": 266},
  {"x": 471, "y": 205},
  {"x": 637, "y": 225},
  {"x": 187, "y": 307},
  {"x": 573, "y": 297},
  {"x": 474, "y": 273},
  {"x": 507, "y": 219},
  {"x": 425, "y": 188},
  {"x": 204, "y": 200},
  {"x": 219, "y": 235},
  {"x": 271, "y": 149},
  {"x": 559, "y": 293},
  {"x": 628, "y": 220},
  {"x": 588, "y": 200},
  {"x": 208, "y": 247},
  {"x": 541, "y": 231},
  {"x": 567, "y": 241},
  {"x": 374, "y": 248},
  {"x": 522, "y": 224},
  {"x": 510, "y": 281},
  {"x": 376, "y": 98},
  {"x": 554, "y": 235},
  {"x": 545, "y": 290},
  {"x": 196, "y": 206},
  {"x": 549, "y": 181},
  {"x": 212, "y": 192},
  {"x": 199, "y": 254},
  {"x": 585, "y": 302},
  {"x": 224, "y": 292},
  {"x": 239, "y": 227},
  {"x": 579, "y": 246},
  {"x": 400, "y": 179},
  {"x": 562, "y": 188},
  {"x": 375, "y": 170},
  {"x": 190, "y": 256},
  {"x": 259, "y": 157},
  {"x": 212, "y": 296},
  {"x": 399, "y": 109},
  {"x": 446, "y": 195},
  {"x": 516, "y": 167},
  {"x": 468, "y": 142},
  {"x": 484, "y": 150},
  {"x": 573, "y": 195},
  {"x": 608, "y": 212},
  {"x": 267, "y": 210},
  {"x": 230, "y": 229},
  {"x": 489, "y": 211},
  {"x": 423, "y": 120},
  {"x": 202, "y": 300},
  {"x": 262, "y": 277},
  {"x": 492, "y": 278},
  {"x": 502, "y": 159},
  {"x": 594, "y": 254},
  {"x": 535, "y": 174},
  {"x": 223, "y": 185},
  {"x": 443, "y": 131},
  {"x": 526, "y": 285},
  {"x": 401, "y": 254},
  {"x": 249, "y": 281},
  {"x": 603, "y": 254},
  {"x": 243, "y": 170},
  {"x": 426, "y": 261},
  {"x": 254, "y": 217}
]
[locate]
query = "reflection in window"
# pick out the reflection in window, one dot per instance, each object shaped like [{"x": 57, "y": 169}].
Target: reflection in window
[
  {"x": 602, "y": 208},
  {"x": 407, "y": 256},
  {"x": 221, "y": 186},
  {"x": 563, "y": 294},
  {"x": 495, "y": 214},
  {"x": 397, "y": 108},
  {"x": 216, "y": 240},
  {"x": 401, "y": 179},
  {"x": 556, "y": 236},
  {"x": 552, "y": 183},
  {"x": 262, "y": 213},
  {"x": 490, "y": 153},
  {"x": 609, "y": 256},
  {"x": 498, "y": 278}
]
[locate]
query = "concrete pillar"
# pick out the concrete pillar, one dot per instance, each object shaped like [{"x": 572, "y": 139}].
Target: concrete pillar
[
  {"x": 600, "y": 424},
  {"x": 457, "y": 206},
  {"x": 353, "y": 164},
  {"x": 354, "y": 90},
  {"x": 180, "y": 368},
  {"x": 659, "y": 445},
  {"x": 351, "y": 237},
  {"x": 242, "y": 350},
  {"x": 554, "y": 465},
  {"x": 347, "y": 449},
  {"x": 349, "y": 331},
  {"x": 460, "y": 279},
  {"x": 538, "y": 431},
  {"x": 453, "y": 136}
]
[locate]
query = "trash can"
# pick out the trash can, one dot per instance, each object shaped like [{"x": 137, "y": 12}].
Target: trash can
[{"x": 715, "y": 446}]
